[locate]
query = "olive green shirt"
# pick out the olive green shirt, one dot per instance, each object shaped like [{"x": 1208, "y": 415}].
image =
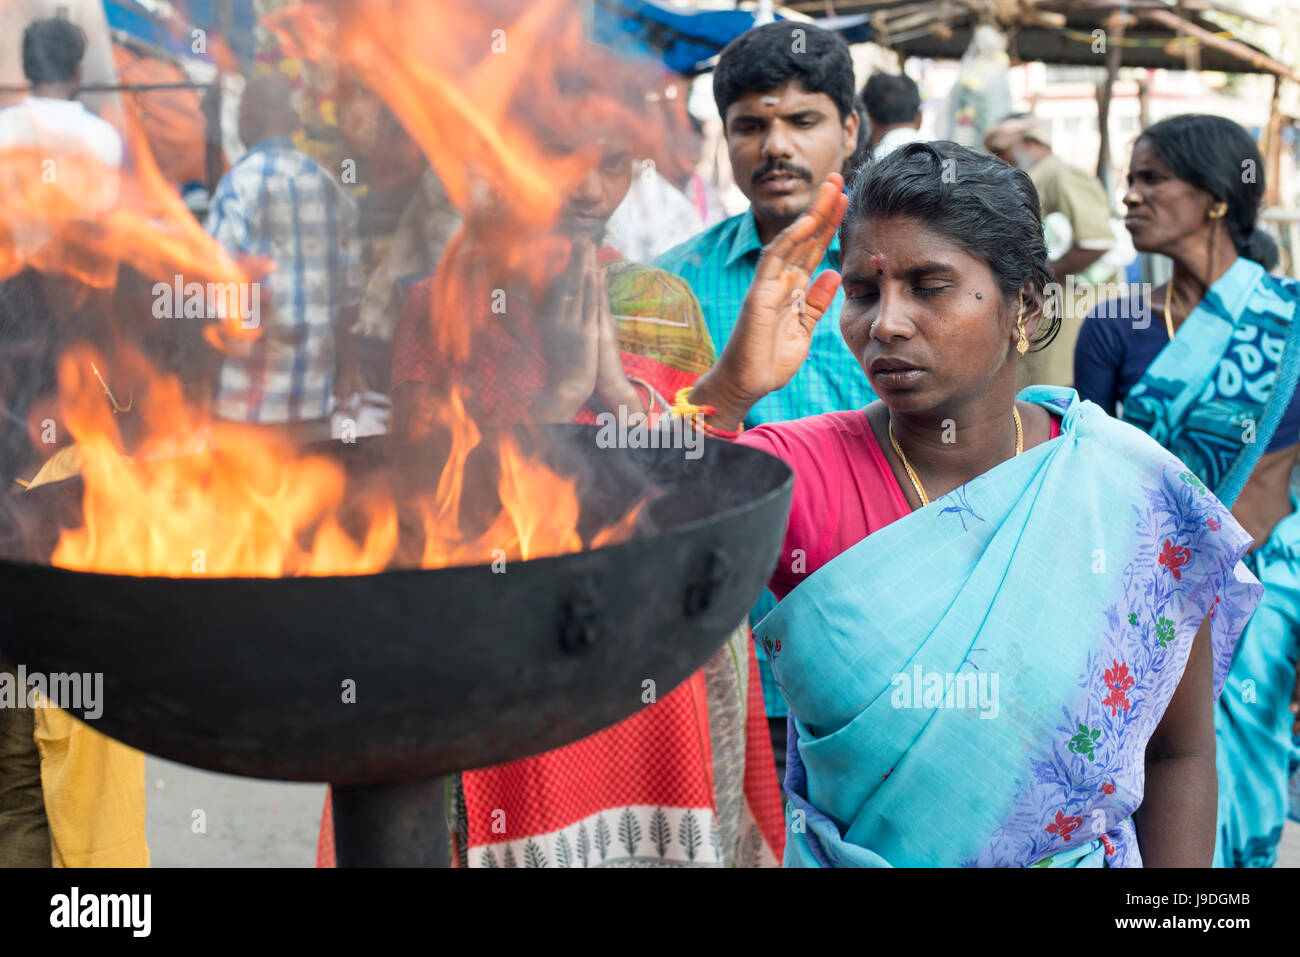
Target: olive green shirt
[{"x": 1063, "y": 188}]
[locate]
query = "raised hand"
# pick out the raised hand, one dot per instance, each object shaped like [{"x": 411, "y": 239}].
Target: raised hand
[
  {"x": 780, "y": 312},
  {"x": 571, "y": 336}
]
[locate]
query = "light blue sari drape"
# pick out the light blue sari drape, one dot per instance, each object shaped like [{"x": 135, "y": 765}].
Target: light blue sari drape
[
  {"x": 975, "y": 683},
  {"x": 1214, "y": 397}
]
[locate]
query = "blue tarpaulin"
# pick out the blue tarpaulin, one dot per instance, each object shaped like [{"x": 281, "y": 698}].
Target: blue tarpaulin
[
  {"x": 685, "y": 40},
  {"x": 174, "y": 35}
]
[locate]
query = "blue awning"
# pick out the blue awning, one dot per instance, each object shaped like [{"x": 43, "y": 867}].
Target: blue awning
[
  {"x": 173, "y": 35},
  {"x": 685, "y": 40}
]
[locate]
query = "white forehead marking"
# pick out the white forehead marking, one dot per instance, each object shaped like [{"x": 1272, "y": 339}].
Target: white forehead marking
[{"x": 770, "y": 100}]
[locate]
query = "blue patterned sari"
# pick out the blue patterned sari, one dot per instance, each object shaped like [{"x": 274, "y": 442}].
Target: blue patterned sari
[
  {"x": 1214, "y": 397},
  {"x": 976, "y": 683}
]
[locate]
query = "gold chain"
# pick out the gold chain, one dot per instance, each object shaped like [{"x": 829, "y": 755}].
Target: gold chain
[
  {"x": 1169, "y": 322},
  {"x": 916, "y": 482}
]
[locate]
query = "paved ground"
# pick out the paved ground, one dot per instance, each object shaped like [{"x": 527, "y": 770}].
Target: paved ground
[
  {"x": 246, "y": 823},
  {"x": 268, "y": 824}
]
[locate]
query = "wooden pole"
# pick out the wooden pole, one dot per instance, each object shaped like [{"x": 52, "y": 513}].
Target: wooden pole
[
  {"x": 1258, "y": 60},
  {"x": 1273, "y": 147},
  {"x": 1105, "y": 92},
  {"x": 1144, "y": 99}
]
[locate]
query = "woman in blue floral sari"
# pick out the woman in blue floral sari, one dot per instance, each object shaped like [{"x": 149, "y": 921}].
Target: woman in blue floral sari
[
  {"x": 1207, "y": 365},
  {"x": 1003, "y": 619}
]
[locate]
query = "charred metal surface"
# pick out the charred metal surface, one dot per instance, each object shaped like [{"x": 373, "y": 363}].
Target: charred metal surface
[
  {"x": 453, "y": 668},
  {"x": 391, "y": 825},
  {"x": 578, "y": 626},
  {"x": 712, "y": 571}
]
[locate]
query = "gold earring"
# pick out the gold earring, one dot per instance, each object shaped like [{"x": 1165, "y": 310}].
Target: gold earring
[
  {"x": 1023, "y": 345},
  {"x": 1219, "y": 211}
]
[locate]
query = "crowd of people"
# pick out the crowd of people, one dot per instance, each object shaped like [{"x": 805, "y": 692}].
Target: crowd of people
[{"x": 1038, "y": 602}]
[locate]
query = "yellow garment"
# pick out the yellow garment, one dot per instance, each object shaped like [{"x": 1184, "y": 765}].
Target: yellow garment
[{"x": 94, "y": 794}]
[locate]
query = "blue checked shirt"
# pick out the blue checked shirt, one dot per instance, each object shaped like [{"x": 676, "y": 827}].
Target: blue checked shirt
[
  {"x": 719, "y": 264},
  {"x": 280, "y": 204}
]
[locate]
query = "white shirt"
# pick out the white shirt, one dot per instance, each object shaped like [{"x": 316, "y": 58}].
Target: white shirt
[
  {"x": 654, "y": 217},
  {"x": 61, "y": 146},
  {"x": 894, "y": 139},
  {"x": 61, "y": 126}
]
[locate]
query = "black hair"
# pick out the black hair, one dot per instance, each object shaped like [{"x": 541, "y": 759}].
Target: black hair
[
  {"x": 1216, "y": 155},
  {"x": 891, "y": 99},
  {"x": 862, "y": 152},
  {"x": 988, "y": 207},
  {"x": 768, "y": 57},
  {"x": 52, "y": 49},
  {"x": 1262, "y": 248}
]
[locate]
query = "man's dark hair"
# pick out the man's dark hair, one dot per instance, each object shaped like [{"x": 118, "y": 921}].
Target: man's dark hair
[
  {"x": 891, "y": 99},
  {"x": 51, "y": 50},
  {"x": 988, "y": 207},
  {"x": 768, "y": 57}
]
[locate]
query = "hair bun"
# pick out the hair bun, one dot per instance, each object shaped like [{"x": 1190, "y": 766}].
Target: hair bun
[{"x": 1260, "y": 247}]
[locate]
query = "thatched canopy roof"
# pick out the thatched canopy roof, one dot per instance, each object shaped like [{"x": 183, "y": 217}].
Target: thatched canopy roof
[{"x": 1156, "y": 33}]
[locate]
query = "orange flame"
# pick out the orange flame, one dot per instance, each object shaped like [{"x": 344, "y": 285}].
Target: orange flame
[{"x": 168, "y": 491}]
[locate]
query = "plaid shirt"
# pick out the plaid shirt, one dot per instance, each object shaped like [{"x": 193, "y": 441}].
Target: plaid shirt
[
  {"x": 280, "y": 204},
  {"x": 719, "y": 264}
]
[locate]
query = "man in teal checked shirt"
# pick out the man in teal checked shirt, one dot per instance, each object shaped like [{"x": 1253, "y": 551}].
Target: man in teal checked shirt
[{"x": 785, "y": 95}]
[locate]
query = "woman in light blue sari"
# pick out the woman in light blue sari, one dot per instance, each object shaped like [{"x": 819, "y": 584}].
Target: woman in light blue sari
[
  {"x": 1207, "y": 365},
  {"x": 1003, "y": 620}
]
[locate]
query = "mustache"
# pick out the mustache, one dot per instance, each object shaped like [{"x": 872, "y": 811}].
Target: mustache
[{"x": 774, "y": 166}]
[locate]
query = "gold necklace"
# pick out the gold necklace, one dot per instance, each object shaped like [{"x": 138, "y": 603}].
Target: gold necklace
[
  {"x": 1169, "y": 322},
  {"x": 916, "y": 482}
]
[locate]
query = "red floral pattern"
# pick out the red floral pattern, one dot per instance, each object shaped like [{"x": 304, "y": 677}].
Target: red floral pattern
[
  {"x": 1118, "y": 680},
  {"x": 1174, "y": 557},
  {"x": 1064, "y": 826}
]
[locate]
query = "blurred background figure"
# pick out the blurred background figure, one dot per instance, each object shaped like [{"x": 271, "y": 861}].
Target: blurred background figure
[
  {"x": 669, "y": 201},
  {"x": 1076, "y": 218},
  {"x": 80, "y": 153},
  {"x": 1211, "y": 373},
  {"x": 893, "y": 108},
  {"x": 982, "y": 93},
  {"x": 50, "y": 118},
  {"x": 279, "y": 204},
  {"x": 654, "y": 217},
  {"x": 97, "y": 66}
]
